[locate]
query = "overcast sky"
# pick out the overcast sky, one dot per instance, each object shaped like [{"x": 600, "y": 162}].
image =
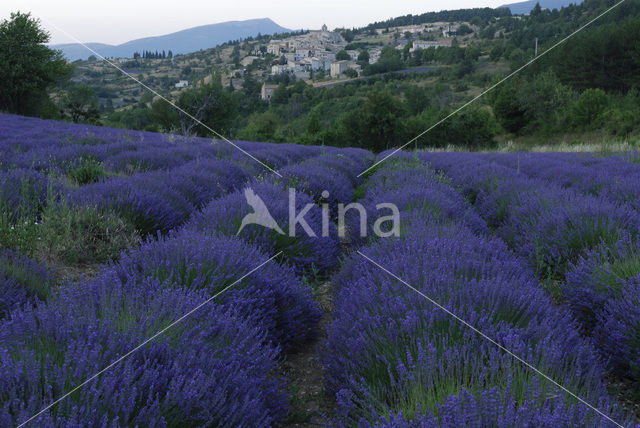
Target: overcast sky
[{"x": 118, "y": 21}]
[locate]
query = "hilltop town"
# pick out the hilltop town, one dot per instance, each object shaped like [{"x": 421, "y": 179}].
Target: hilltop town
[{"x": 319, "y": 57}]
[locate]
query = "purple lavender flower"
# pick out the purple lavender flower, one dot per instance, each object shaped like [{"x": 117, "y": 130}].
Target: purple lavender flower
[{"x": 272, "y": 297}]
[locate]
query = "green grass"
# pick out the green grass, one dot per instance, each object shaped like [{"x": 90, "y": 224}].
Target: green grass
[
  {"x": 66, "y": 236},
  {"x": 83, "y": 235},
  {"x": 88, "y": 171},
  {"x": 26, "y": 277}
]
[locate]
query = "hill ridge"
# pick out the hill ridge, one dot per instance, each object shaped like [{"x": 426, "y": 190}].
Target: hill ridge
[{"x": 179, "y": 42}]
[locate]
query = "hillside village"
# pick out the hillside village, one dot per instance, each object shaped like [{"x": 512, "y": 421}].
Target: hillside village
[
  {"x": 318, "y": 57},
  {"x": 316, "y": 51}
]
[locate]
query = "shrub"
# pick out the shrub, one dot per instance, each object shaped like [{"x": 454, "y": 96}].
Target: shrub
[
  {"x": 150, "y": 208},
  {"x": 391, "y": 354},
  {"x": 21, "y": 280},
  {"x": 74, "y": 235},
  {"x": 88, "y": 171},
  {"x": 224, "y": 216},
  {"x": 617, "y": 333},
  {"x": 589, "y": 107},
  {"x": 24, "y": 193},
  {"x": 211, "y": 369},
  {"x": 273, "y": 297}
]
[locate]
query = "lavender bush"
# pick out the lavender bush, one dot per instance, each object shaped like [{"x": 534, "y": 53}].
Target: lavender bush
[
  {"x": 224, "y": 216},
  {"x": 394, "y": 359},
  {"x": 272, "y": 297},
  {"x": 212, "y": 369}
]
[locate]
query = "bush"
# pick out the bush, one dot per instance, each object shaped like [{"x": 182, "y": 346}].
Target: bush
[
  {"x": 272, "y": 297},
  {"x": 23, "y": 193},
  {"x": 83, "y": 235},
  {"x": 618, "y": 331},
  {"x": 212, "y": 369},
  {"x": 351, "y": 73},
  {"x": 21, "y": 280},
  {"x": 507, "y": 109},
  {"x": 147, "y": 203},
  {"x": 589, "y": 107},
  {"x": 88, "y": 171},
  {"x": 620, "y": 122},
  {"x": 225, "y": 215}
]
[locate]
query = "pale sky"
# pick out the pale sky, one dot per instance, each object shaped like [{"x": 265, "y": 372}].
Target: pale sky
[{"x": 118, "y": 21}]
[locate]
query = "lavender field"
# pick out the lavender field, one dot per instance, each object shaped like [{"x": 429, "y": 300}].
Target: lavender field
[{"x": 110, "y": 237}]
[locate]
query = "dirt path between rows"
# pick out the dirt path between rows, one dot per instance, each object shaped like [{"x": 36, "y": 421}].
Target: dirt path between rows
[{"x": 311, "y": 406}]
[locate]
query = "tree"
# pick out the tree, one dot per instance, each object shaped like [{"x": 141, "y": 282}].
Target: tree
[
  {"x": 496, "y": 53},
  {"x": 212, "y": 105},
  {"x": 164, "y": 116},
  {"x": 416, "y": 99},
  {"x": 363, "y": 56},
  {"x": 81, "y": 104},
  {"x": 606, "y": 57},
  {"x": 28, "y": 68},
  {"x": 313, "y": 125},
  {"x": 375, "y": 125},
  {"x": 280, "y": 94},
  {"x": 351, "y": 73},
  {"x": 463, "y": 30},
  {"x": 343, "y": 55},
  {"x": 261, "y": 127},
  {"x": 517, "y": 58},
  {"x": 507, "y": 109},
  {"x": 589, "y": 107},
  {"x": 348, "y": 35}
]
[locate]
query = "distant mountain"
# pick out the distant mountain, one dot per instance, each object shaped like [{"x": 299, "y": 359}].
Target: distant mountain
[
  {"x": 181, "y": 42},
  {"x": 523, "y": 8}
]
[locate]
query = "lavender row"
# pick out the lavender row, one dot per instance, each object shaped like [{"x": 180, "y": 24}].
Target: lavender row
[
  {"x": 215, "y": 368},
  {"x": 584, "y": 247},
  {"x": 613, "y": 178},
  {"x": 49, "y": 146},
  {"x": 154, "y": 181},
  {"x": 393, "y": 359},
  {"x": 306, "y": 249}
]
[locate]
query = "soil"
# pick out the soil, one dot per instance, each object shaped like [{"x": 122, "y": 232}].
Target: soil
[
  {"x": 311, "y": 405},
  {"x": 626, "y": 392}
]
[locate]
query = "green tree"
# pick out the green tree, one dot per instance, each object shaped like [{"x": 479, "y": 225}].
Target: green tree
[
  {"x": 544, "y": 100},
  {"x": 390, "y": 59},
  {"x": 313, "y": 123},
  {"x": 507, "y": 109},
  {"x": 351, "y": 73},
  {"x": 165, "y": 116},
  {"x": 261, "y": 127},
  {"x": 496, "y": 53},
  {"x": 280, "y": 95},
  {"x": 517, "y": 58},
  {"x": 375, "y": 125},
  {"x": 28, "y": 68},
  {"x": 416, "y": 99},
  {"x": 363, "y": 56},
  {"x": 343, "y": 55},
  {"x": 589, "y": 107},
  {"x": 212, "y": 105},
  {"x": 81, "y": 104}
]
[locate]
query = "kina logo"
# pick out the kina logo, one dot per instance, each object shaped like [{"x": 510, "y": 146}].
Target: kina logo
[{"x": 260, "y": 215}]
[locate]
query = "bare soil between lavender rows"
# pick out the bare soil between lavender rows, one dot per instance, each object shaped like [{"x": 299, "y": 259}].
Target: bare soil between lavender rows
[{"x": 311, "y": 405}]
